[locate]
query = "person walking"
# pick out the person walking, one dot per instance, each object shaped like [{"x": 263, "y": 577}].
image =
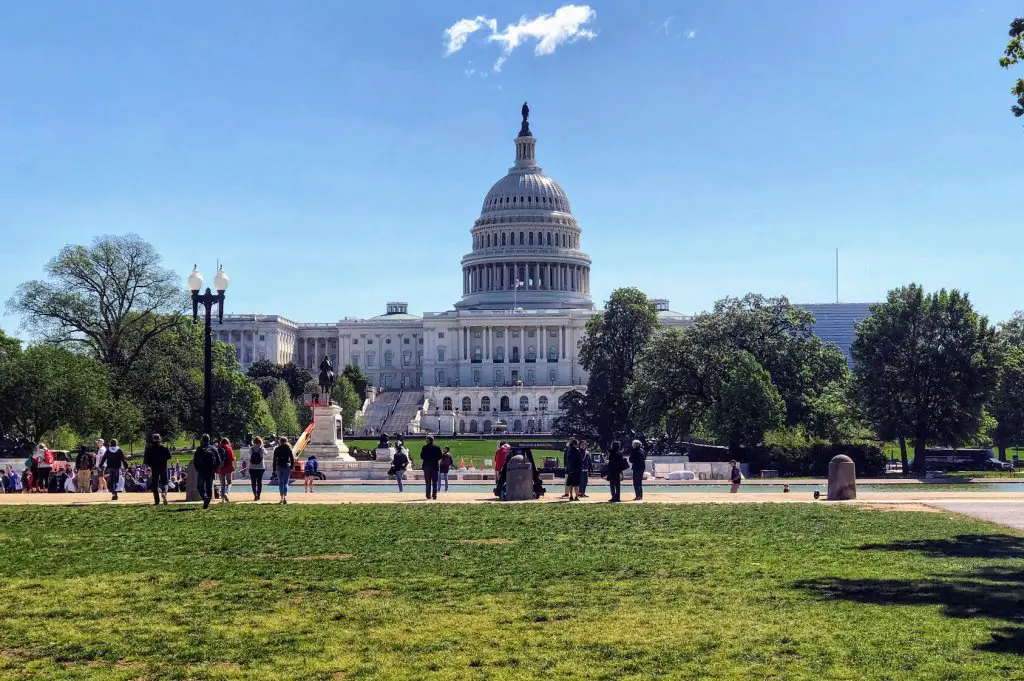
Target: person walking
[
  {"x": 616, "y": 464},
  {"x": 156, "y": 457},
  {"x": 84, "y": 463},
  {"x": 431, "y": 456},
  {"x": 309, "y": 472},
  {"x": 447, "y": 461},
  {"x": 638, "y": 462},
  {"x": 586, "y": 467},
  {"x": 226, "y": 468},
  {"x": 284, "y": 459},
  {"x": 736, "y": 477},
  {"x": 206, "y": 460},
  {"x": 113, "y": 461},
  {"x": 400, "y": 464},
  {"x": 101, "y": 451},
  {"x": 257, "y": 465},
  {"x": 573, "y": 469}
]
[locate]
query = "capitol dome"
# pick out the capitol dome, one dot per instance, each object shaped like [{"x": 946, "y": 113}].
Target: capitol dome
[{"x": 526, "y": 242}]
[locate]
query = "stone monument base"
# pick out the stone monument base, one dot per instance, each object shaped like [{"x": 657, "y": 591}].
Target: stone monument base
[
  {"x": 385, "y": 454},
  {"x": 326, "y": 442}
]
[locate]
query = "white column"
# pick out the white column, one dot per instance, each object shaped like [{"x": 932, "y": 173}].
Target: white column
[
  {"x": 540, "y": 345},
  {"x": 507, "y": 329},
  {"x": 487, "y": 343}
]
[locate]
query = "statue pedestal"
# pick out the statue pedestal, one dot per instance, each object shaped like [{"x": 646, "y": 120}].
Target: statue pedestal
[
  {"x": 386, "y": 454},
  {"x": 326, "y": 442},
  {"x": 191, "y": 484}
]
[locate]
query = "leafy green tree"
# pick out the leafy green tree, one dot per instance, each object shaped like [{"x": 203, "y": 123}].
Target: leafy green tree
[
  {"x": 359, "y": 380},
  {"x": 344, "y": 395},
  {"x": 608, "y": 352},
  {"x": 294, "y": 376},
  {"x": 122, "y": 419},
  {"x": 1014, "y": 54},
  {"x": 1007, "y": 403},
  {"x": 748, "y": 405},
  {"x": 670, "y": 390},
  {"x": 925, "y": 366},
  {"x": 577, "y": 419},
  {"x": 263, "y": 423},
  {"x": 1011, "y": 332},
  {"x": 833, "y": 414},
  {"x": 111, "y": 298},
  {"x": 283, "y": 410}
]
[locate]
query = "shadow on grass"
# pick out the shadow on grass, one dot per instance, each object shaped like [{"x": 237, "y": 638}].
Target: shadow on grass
[{"x": 992, "y": 591}]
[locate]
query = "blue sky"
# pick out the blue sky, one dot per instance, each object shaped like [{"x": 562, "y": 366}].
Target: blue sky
[{"x": 334, "y": 157}]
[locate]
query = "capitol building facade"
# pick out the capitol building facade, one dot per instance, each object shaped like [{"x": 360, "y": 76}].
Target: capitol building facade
[{"x": 505, "y": 355}]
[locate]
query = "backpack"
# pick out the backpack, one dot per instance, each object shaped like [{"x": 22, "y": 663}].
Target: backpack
[
  {"x": 310, "y": 468},
  {"x": 48, "y": 456},
  {"x": 218, "y": 457},
  {"x": 256, "y": 456}
]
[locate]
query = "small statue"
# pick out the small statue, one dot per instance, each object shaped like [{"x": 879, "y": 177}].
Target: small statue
[
  {"x": 327, "y": 377},
  {"x": 525, "y": 130},
  {"x": 383, "y": 442}
]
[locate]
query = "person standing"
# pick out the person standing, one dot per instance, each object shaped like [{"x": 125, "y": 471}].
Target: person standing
[
  {"x": 586, "y": 467},
  {"x": 400, "y": 464},
  {"x": 226, "y": 468},
  {"x": 736, "y": 477},
  {"x": 205, "y": 461},
  {"x": 113, "y": 462},
  {"x": 431, "y": 456},
  {"x": 309, "y": 472},
  {"x": 616, "y": 464},
  {"x": 257, "y": 465},
  {"x": 84, "y": 464},
  {"x": 42, "y": 459},
  {"x": 101, "y": 451},
  {"x": 638, "y": 462},
  {"x": 500, "y": 457},
  {"x": 573, "y": 469},
  {"x": 284, "y": 459},
  {"x": 447, "y": 461},
  {"x": 156, "y": 457}
]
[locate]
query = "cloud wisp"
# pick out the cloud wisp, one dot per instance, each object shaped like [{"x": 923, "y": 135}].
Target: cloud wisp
[{"x": 567, "y": 24}]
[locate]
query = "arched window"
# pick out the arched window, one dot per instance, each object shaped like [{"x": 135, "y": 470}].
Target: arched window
[
  {"x": 549, "y": 238},
  {"x": 529, "y": 426},
  {"x": 540, "y": 238},
  {"x": 531, "y": 238},
  {"x": 370, "y": 357},
  {"x": 467, "y": 404},
  {"x": 517, "y": 427},
  {"x": 472, "y": 426},
  {"x": 462, "y": 426},
  {"x": 520, "y": 238},
  {"x": 503, "y": 238},
  {"x": 505, "y": 405},
  {"x": 513, "y": 199},
  {"x": 478, "y": 354},
  {"x": 521, "y": 200},
  {"x": 487, "y": 427},
  {"x": 485, "y": 404},
  {"x": 531, "y": 354},
  {"x": 511, "y": 238},
  {"x": 488, "y": 240},
  {"x": 446, "y": 404},
  {"x": 355, "y": 360},
  {"x": 499, "y": 353},
  {"x": 515, "y": 353},
  {"x": 553, "y": 353},
  {"x": 524, "y": 403},
  {"x": 542, "y": 402},
  {"x": 529, "y": 199}
]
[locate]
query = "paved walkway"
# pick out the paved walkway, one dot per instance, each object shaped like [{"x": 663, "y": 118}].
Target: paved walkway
[{"x": 1008, "y": 512}]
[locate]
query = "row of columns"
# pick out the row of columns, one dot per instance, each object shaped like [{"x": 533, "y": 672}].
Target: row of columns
[
  {"x": 533, "y": 276},
  {"x": 487, "y": 346}
]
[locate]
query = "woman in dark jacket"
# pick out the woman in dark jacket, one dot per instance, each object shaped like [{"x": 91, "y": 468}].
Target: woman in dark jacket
[
  {"x": 616, "y": 464},
  {"x": 638, "y": 463},
  {"x": 573, "y": 470}
]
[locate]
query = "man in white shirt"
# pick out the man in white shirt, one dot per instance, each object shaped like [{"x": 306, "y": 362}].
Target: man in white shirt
[{"x": 101, "y": 450}]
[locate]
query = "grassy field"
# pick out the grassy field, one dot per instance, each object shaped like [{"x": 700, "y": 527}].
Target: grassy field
[{"x": 507, "y": 592}]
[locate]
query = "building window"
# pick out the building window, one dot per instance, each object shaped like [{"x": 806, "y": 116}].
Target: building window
[
  {"x": 524, "y": 403},
  {"x": 487, "y": 426},
  {"x": 369, "y": 341},
  {"x": 440, "y": 377},
  {"x": 553, "y": 375},
  {"x": 552, "y": 353},
  {"x": 499, "y": 353},
  {"x": 531, "y": 334},
  {"x": 477, "y": 334},
  {"x": 499, "y": 334},
  {"x": 467, "y": 404},
  {"x": 446, "y": 404},
  {"x": 485, "y": 404},
  {"x": 478, "y": 354},
  {"x": 405, "y": 341},
  {"x": 529, "y": 376},
  {"x": 531, "y": 238},
  {"x": 472, "y": 424},
  {"x": 476, "y": 376},
  {"x": 553, "y": 334},
  {"x": 498, "y": 377},
  {"x": 531, "y": 354},
  {"x": 262, "y": 337},
  {"x": 520, "y": 238},
  {"x": 440, "y": 354},
  {"x": 407, "y": 358},
  {"x": 370, "y": 356},
  {"x": 505, "y": 403},
  {"x": 542, "y": 402},
  {"x": 355, "y": 341},
  {"x": 440, "y": 334},
  {"x": 503, "y": 238},
  {"x": 549, "y": 238},
  {"x": 515, "y": 354},
  {"x": 355, "y": 360},
  {"x": 388, "y": 358}
]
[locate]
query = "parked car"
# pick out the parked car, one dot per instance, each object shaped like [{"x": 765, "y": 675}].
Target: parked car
[{"x": 963, "y": 460}]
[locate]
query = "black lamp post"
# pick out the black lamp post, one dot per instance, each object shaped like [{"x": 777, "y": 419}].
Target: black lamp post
[{"x": 208, "y": 299}]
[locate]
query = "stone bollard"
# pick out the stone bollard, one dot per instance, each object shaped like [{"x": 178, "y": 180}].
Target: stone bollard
[
  {"x": 842, "y": 479},
  {"x": 191, "y": 484},
  {"x": 518, "y": 479}
]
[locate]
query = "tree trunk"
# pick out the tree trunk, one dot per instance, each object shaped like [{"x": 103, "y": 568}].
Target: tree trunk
[
  {"x": 903, "y": 455},
  {"x": 919, "y": 446},
  {"x": 1002, "y": 452}
]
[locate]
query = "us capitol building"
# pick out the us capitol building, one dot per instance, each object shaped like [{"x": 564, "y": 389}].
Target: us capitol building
[{"x": 506, "y": 354}]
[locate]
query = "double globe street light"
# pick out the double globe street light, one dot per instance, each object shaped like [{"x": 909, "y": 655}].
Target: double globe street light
[{"x": 208, "y": 299}]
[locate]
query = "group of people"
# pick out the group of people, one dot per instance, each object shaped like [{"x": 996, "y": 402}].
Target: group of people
[
  {"x": 435, "y": 461},
  {"x": 218, "y": 462}
]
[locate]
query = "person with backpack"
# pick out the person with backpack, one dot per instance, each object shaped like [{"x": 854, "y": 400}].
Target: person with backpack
[
  {"x": 447, "y": 461},
  {"x": 226, "y": 468},
  {"x": 284, "y": 460},
  {"x": 206, "y": 461},
  {"x": 309, "y": 472},
  {"x": 638, "y": 463},
  {"x": 84, "y": 463},
  {"x": 256, "y": 467},
  {"x": 114, "y": 460},
  {"x": 156, "y": 457},
  {"x": 431, "y": 455}
]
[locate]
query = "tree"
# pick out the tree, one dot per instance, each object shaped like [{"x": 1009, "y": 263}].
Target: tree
[
  {"x": 344, "y": 395},
  {"x": 748, "y": 405},
  {"x": 925, "y": 365},
  {"x": 263, "y": 423},
  {"x": 670, "y": 390},
  {"x": 1007, "y": 403},
  {"x": 833, "y": 415},
  {"x": 294, "y": 376},
  {"x": 577, "y": 421},
  {"x": 1013, "y": 54},
  {"x": 111, "y": 298},
  {"x": 282, "y": 409},
  {"x": 1011, "y": 332},
  {"x": 609, "y": 352},
  {"x": 359, "y": 380}
]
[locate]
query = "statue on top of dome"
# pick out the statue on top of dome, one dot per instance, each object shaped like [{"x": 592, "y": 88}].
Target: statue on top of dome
[{"x": 525, "y": 130}]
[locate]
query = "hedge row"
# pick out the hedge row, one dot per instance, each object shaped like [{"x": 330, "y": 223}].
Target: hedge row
[{"x": 810, "y": 460}]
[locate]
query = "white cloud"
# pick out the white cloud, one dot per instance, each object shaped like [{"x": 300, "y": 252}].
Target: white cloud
[
  {"x": 458, "y": 33},
  {"x": 691, "y": 34},
  {"x": 564, "y": 25},
  {"x": 663, "y": 26}
]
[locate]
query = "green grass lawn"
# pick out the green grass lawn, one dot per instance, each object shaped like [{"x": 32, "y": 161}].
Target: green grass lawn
[
  {"x": 507, "y": 592},
  {"x": 473, "y": 451}
]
